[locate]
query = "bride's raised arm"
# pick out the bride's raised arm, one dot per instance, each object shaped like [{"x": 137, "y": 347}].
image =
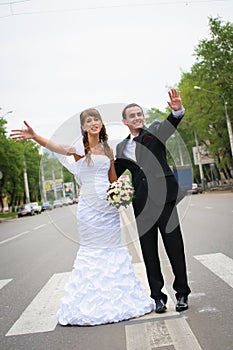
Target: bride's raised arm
[{"x": 28, "y": 133}]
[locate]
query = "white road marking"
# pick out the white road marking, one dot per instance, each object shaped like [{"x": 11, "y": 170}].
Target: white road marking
[
  {"x": 197, "y": 295},
  {"x": 182, "y": 335},
  {"x": 129, "y": 229},
  {"x": 40, "y": 315},
  {"x": 147, "y": 336},
  {"x": 220, "y": 264},
  {"x": 208, "y": 207},
  {"x": 209, "y": 309},
  {"x": 37, "y": 227},
  {"x": 21, "y": 234},
  {"x": 140, "y": 272},
  {"x": 14, "y": 237},
  {"x": 3, "y": 283},
  {"x": 160, "y": 332}
]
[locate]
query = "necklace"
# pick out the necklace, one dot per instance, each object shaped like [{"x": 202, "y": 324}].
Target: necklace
[{"x": 97, "y": 149}]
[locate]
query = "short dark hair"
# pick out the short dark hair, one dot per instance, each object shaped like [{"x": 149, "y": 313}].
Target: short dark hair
[{"x": 129, "y": 106}]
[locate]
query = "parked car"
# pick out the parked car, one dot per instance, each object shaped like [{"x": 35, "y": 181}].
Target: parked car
[
  {"x": 67, "y": 201},
  {"x": 64, "y": 201},
  {"x": 57, "y": 203},
  {"x": 46, "y": 206},
  {"x": 25, "y": 209},
  {"x": 37, "y": 208},
  {"x": 196, "y": 189}
]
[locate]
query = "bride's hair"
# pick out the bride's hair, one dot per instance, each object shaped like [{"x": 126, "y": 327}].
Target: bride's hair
[{"x": 103, "y": 137}]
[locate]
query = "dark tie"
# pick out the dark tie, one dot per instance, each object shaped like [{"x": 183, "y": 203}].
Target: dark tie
[{"x": 136, "y": 148}]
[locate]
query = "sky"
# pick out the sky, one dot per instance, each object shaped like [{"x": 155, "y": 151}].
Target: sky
[{"x": 60, "y": 57}]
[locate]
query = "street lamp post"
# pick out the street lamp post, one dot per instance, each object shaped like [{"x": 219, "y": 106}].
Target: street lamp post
[
  {"x": 25, "y": 177},
  {"x": 43, "y": 181},
  {"x": 199, "y": 162},
  {"x": 229, "y": 127},
  {"x": 6, "y": 114}
]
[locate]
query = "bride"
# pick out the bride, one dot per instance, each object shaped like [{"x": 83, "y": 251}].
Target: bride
[{"x": 103, "y": 287}]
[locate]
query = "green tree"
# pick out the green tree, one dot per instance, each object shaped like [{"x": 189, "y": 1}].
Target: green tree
[
  {"x": 14, "y": 158},
  {"x": 205, "y": 109}
]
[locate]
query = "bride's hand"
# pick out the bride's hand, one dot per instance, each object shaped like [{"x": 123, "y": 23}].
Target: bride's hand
[{"x": 23, "y": 134}]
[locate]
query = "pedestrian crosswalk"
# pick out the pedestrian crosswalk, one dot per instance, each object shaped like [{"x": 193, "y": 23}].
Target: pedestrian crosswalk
[
  {"x": 174, "y": 332},
  {"x": 40, "y": 315},
  {"x": 220, "y": 264},
  {"x": 155, "y": 330},
  {"x": 4, "y": 282}
]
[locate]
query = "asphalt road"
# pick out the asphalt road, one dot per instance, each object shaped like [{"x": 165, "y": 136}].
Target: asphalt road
[{"x": 36, "y": 256}]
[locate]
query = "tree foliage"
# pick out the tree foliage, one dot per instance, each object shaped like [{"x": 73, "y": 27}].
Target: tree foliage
[
  {"x": 205, "y": 107},
  {"x": 14, "y": 158}
]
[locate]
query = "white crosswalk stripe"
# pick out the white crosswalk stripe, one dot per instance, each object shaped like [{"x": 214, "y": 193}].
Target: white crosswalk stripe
[
  {"x": 3, "y": 283},
  {"x": 220, "y": 264},
  {"x": 161, "y": 329},
  {"x": 159, "y": 333},
  {"x": 40, "y": 315}
]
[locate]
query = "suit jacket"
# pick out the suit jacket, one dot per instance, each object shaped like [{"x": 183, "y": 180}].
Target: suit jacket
[{"x": 151, "y": 174}]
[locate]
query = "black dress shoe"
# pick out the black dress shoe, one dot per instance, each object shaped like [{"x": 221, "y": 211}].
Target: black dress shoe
[
  {"x": 160, "y": 306},
  {"x": 182, "y": 303}
]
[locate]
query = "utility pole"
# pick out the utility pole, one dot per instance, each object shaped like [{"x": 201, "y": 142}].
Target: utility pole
[
  {"x": 43, "y": 180},
  {"x": 199, "y": 162},
  {"x": 25, "y": 177},
  {"x": 54, "y": 185},
  {"x": 229, "y": 127}
]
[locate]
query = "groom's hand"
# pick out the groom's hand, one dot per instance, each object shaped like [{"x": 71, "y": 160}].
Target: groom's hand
[{"x": 175, "y": 100}]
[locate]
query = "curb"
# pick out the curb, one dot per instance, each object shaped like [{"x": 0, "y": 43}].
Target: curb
[{"x": 8, "y": 219}]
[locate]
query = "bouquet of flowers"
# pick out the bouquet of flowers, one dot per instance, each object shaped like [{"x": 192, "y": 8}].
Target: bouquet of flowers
[{"x": 121, "y": 192}]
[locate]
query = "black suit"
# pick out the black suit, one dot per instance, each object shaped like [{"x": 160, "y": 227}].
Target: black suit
[{"x": 156, "y": 191}]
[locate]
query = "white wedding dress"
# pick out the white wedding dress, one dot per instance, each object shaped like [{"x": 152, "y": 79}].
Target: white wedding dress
[{"x": 102, "y": 287}]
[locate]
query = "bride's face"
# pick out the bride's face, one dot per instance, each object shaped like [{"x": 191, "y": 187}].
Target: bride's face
[{"x": 92, "y": 125}]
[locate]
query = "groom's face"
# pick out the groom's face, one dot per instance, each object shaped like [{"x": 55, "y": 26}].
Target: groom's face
[{"x": 134, "y": 119}]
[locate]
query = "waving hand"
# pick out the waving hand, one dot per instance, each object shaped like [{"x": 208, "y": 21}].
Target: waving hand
[
  {"x": 175, "y": 100},
  {"x": 23, "y": 134}
]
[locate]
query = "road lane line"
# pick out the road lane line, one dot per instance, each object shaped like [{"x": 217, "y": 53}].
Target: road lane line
[
  {"x": 3, "y": 283},
  {"x": 220, "y": 264},
  {"x": 21, "y": 234},
  {"x": 40, "y": 315},
  {"x": 37, "y": 227},
  {"x": 14, "y": 237}
]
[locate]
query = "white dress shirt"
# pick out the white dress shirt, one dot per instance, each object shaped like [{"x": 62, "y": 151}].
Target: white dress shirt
[{"x": 129, "y": 150}]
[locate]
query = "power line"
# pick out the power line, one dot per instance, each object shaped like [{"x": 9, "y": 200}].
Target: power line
[
  {"x": 13, "y": 2},
  {"x": 102, "y": 7}
]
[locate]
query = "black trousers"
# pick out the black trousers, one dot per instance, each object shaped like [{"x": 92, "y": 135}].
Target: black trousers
[{"x": 167, "y": 222}]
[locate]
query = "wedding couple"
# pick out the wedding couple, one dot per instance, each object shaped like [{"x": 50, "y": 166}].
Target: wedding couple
[{"x": 103, "y": 287}]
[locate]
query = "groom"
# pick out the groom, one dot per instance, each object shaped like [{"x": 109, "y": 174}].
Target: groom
[{"x": 143, "y": 152}]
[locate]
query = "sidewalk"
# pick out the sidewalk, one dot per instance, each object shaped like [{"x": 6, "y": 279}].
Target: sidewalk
[{"x": 9, "y": 218}]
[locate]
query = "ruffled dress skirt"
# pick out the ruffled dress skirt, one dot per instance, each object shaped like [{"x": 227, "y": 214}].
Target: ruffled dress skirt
[{"x": 102, "y": 287}]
